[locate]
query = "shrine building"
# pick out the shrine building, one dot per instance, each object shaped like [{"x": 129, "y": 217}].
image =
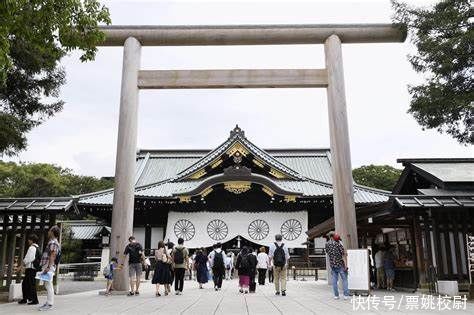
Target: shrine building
[{"x": 235, "y": 194}]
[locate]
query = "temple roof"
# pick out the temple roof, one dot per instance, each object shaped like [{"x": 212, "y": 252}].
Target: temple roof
[{"x": 304, "y": 173}]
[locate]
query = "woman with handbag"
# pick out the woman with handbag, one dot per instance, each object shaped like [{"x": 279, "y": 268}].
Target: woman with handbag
[{"x": 162, "y": 274}]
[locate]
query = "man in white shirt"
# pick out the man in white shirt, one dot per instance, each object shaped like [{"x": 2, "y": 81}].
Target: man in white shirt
[
  {"x": 379, "y": 266},
  {"x": 262, "y": 265},
  {"x": 28, "y": 286},
  {"x": 192, "y": 272},
  {"x": 228, "y": 266},
  {"x": 279, "y": 254}
]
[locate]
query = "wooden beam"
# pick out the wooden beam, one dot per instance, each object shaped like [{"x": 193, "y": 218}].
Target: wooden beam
[
  {"x": 188, "y": 35},
  {"x": 232, "y": 78}
]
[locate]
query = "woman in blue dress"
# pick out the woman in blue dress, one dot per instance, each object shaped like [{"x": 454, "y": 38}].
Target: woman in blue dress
[{"x": 200, "y": 264}]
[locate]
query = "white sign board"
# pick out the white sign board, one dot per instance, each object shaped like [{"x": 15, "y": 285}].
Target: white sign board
[{"x": 359, "y": 275}]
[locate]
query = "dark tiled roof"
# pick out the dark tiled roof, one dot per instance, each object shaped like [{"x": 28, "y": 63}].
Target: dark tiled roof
[
  {"x": 35, "y": 204},
  {"x": 164, "y": 173}
]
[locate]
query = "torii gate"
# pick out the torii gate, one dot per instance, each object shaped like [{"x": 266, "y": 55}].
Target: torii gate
[{"x": 132, "y": 38}]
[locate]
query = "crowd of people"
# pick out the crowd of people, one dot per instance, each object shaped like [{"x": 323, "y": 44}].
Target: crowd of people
[
  {"x": 171, "y": 263},
  {"x": 384, "y": 260}
]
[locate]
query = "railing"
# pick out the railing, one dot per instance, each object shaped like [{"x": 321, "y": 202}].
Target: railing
[
  {"x": 93, "y": 253},
  {"x": 80, "y": 271},
  {"x": 318, "y": 261},
  {"x": 304, "y": 272}
]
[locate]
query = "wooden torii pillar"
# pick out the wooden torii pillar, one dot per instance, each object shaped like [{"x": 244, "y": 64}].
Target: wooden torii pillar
[{"x": 132, "y": 38}]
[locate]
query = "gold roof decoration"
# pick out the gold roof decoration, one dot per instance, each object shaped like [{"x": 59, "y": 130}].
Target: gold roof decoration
[{"x": 237, "y": 187}]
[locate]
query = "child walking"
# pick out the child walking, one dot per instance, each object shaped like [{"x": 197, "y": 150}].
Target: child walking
[{"x": 109, "y": 274}]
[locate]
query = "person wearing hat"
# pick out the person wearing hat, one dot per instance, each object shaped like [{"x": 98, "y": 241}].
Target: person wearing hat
[{"x": 338, "y": 262}]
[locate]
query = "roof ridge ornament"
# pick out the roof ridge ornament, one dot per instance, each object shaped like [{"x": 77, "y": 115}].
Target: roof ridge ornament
[{"x": 237, "y": 131}]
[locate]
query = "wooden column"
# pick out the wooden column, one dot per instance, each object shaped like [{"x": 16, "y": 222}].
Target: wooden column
[
  {"x": 343, "y": 189},
  {"x": 447, "y": 242},
  {"x": 4, "y": 252},
  {"x": 56, "y": 274},
  {"x": 11, "y": 249},
  {"x": 427, "y": 236},
  {"x": 437, "y": 240},
  {"x": 21, "y": 253},
  {"x": 41, "y": 234},
  {"x": 418, "y": 246},
  {"x": 122, "y": 213},
  {"x": 457, "y": 247}
]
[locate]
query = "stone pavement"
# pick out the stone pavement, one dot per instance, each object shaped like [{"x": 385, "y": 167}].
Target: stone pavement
[{"x": 304, "y": 297}]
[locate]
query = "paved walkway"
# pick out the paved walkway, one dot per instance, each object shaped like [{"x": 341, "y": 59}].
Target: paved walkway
[{"x": 304, "y": 297}]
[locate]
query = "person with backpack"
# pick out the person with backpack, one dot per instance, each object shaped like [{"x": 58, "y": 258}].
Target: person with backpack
[
  {"x": 253, "y": 270},
  {"x": 279, "y": 255},
  {"x": 134, "y": 250},
  {"x": 180, "y": 262},
  {"x": 109, "y": 274},
  {"x": 243, "y": 268},
  {"x": 49, "y": 262},
  {"x": 216, "y": 259},
  {"x": 169, "y": 250},
  {"x": 32, "y": 266}
]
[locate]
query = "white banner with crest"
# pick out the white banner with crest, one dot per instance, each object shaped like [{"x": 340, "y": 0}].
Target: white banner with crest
[{"x": 203, "y": 229}]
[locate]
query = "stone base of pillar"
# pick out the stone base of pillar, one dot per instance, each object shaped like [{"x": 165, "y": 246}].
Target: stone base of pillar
[
  {"x": 102, "y": 292},
  {"x": 14, "y": 292}
]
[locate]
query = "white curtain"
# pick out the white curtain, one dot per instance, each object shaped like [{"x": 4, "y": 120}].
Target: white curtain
[{"x": 203, "y": 229}]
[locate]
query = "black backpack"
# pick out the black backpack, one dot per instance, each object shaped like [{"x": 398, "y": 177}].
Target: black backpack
[
  {"x": 279, "y": 258},
  {"x": 37, "y": 262},
  {"x": 178, "y": 256},
  {"x": 244, "y": 262},
  {"x": 218, "y": 263}
]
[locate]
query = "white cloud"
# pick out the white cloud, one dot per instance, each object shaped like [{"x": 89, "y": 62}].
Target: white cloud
[{"x": 83, "y": 136}]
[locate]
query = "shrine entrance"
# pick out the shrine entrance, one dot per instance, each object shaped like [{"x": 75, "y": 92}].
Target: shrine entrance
[{"x": 132, "y": 38}]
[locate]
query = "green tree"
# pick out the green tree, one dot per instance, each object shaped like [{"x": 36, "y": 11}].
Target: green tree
[
  {"x": 443, "y": 36},
  {"x": 34, "y": 36},
  {"x": 71, "y": 248},
  {"x": 377, "y": 176},
  {"x": 45, "y": 180}
]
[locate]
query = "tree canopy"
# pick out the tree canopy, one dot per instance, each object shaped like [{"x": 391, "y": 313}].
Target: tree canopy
[
  {"x": 377, "y": 176},
  {"x": 45, "y": 180},
  {"x": 34, "y": 36},
  {"x": 443, "y": 36}
]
